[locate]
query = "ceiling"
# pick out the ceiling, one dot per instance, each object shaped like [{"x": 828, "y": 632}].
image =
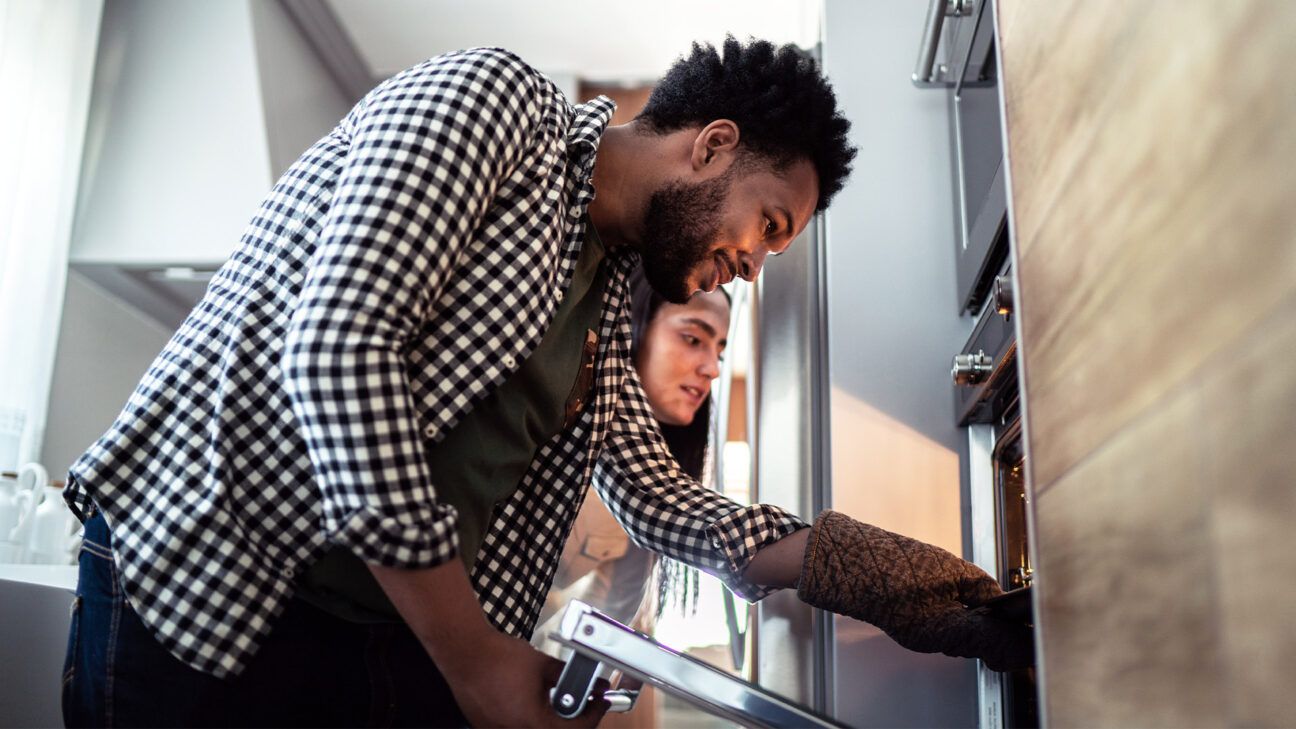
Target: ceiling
[{"x": 607, "y": 41}]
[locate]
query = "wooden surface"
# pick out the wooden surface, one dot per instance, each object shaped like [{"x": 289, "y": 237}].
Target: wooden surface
[{"x": 1152, "y": 149}]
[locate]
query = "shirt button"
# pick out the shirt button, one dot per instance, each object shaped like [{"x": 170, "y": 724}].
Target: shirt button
[
  {"x": 560, "y": 296},
  {"x": 289, "y": 573},
  {"x": 430, "y": 431},
  {"x": 509, "y": 361},
  {"x": 717, "y": 542}
]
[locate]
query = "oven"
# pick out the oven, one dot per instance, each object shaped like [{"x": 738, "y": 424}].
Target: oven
[
  {"x": 958, "y": 56},
  {"x": 968, "y": 70},
  {"x": 987, "y": 404}
]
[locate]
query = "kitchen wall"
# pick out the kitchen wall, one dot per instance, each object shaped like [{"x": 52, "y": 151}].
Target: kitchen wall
[
  {"x": 1151, "y": 150},
  {"x": 301, "y": 102},
  {"x": 104, "y": 347},
  {"x": 174, "y": 170},
  {"x": 893, "y": 328}
]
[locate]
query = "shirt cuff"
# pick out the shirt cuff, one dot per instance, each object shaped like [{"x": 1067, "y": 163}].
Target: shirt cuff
[
  {"x": 379, "y": 538},
  {"x": 739, "y": 535}
]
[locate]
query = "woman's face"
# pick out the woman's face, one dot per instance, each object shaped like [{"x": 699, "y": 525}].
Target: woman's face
[{"x": 680, "y": 355}]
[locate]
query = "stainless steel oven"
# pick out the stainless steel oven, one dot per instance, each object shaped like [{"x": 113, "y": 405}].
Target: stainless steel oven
[
  {"x": 1018, "y": 690},
  {"x": 959, "y": 55},
  {"x": 987, "y": 403}
]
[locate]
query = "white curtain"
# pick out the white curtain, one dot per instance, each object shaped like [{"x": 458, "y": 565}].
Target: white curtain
[{"x": 47, "y": 51}]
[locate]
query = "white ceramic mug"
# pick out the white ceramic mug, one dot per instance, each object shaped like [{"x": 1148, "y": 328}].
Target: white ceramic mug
[
  {"x": 54, "y": 535},
  {"x": 20, "y": 494},
  {"x": 13, "y": 506}
]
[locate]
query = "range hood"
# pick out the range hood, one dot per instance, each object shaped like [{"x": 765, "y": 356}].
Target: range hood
[{"x": 197, "y": 108}]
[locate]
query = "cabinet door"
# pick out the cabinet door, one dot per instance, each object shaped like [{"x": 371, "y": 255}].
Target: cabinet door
[{"x": 1151, "y": 149}]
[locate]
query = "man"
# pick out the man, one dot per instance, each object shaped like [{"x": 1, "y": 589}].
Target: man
[{"x": 395, "y": 393}]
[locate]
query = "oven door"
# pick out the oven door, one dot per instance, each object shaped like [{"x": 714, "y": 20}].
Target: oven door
[
  {"x": 958, "y": 54},
  {"x": 599, "y": 644},
  {"x": 1019, "y": 689},
  {"x": 981, "y": 202}
]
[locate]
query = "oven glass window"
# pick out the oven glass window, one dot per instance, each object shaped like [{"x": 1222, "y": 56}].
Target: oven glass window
[
  {"x": 977, "y": 104},
  {"x": 1010, "y": 477},
  {"x": 1021, "y": 704}
]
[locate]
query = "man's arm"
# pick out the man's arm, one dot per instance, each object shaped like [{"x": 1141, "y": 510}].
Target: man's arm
[
  {"x": 497, "y": 680},
  {"x": 666, "y": 511},
  {"x": 779, "y": 564},
  {"x": 919, "y": 594},
  {"x": 913, "y": 591},
  {"x": 406, "y": 203},
  {"x": 425, "y": 153}
]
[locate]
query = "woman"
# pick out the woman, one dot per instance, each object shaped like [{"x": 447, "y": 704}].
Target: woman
[{"x": 676, "y": 349}]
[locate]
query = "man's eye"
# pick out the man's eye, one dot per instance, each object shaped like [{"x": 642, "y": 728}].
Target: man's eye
[
  {"x": 692, "y": 340},
  {"x": 769, "y": 227}
]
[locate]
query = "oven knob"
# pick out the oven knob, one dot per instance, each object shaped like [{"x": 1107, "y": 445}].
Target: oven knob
[
  {"x": 971, "y": 369},
  {"x": 1003, "y": 294}
]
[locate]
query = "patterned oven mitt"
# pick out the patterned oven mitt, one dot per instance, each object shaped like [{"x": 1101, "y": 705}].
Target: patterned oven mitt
[{"x": 916, "y": 593}]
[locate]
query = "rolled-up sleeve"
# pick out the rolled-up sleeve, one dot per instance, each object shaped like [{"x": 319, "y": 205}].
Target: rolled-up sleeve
[
  {"x": 667, "y": 511},
  {"x": 425, "y": 151}
]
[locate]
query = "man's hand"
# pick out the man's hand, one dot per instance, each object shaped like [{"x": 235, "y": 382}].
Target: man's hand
[
  {"x": 915, "y": 592},
  {"x": 497, "y": 680},
  {"x": 508, "y": 686}
]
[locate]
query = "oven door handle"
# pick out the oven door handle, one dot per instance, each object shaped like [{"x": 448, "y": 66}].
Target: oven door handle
[{"x": 923, "y": 76}]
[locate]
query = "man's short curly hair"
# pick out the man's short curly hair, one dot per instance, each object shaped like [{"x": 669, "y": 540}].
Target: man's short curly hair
[{"x": 784, "y": 107}]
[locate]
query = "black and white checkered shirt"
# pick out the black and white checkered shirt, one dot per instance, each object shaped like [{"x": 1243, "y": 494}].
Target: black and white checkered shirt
[{"x": 403, "y": 267}]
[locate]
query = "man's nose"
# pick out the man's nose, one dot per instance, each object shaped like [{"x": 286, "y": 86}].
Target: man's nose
[{"x": 750, "y": 264}]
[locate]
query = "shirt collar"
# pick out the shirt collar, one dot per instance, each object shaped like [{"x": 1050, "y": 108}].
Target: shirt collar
[{"x": 589, "y": 122}]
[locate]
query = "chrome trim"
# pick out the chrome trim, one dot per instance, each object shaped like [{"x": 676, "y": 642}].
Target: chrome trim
[
  {"x": 593, "y": 635},
  {"x": 985, "y": 554},
  {"x": 922, "y": 75},
  {"x": 825, "y": 624},
  {"x": 791, "y": 653},
  {"x": 1003, "y": 294},
  {"x": 964, "y": 225},
  {"x": 971, "y": 369},
  {"x": 1039, "y": 579},
  {"x": 722, "y": 393},
  {"x": 925, "y": 73}
]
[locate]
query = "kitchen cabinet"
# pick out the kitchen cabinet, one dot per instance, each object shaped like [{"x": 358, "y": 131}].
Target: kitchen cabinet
[
  {"x": 1150, "y": 152},
  {"x": 34, "y": 610}
]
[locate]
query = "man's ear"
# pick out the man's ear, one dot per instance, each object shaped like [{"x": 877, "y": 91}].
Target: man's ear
[{"x": 716, "y": 143}]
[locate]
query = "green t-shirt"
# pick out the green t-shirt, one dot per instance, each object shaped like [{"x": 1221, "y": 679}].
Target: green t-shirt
[{"x": 482, "y": 459}]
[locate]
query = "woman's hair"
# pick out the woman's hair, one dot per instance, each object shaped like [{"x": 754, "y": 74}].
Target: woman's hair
[{"x": 690, "y": 444}]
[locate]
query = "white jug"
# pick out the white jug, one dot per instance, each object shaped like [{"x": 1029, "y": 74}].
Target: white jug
[
  {"x": 20, "y": 494},
  {"x": 55, "y": 531}
]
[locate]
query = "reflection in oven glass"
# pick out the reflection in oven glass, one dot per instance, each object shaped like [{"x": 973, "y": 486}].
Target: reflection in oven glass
[
  {"x": 1021, "y": 704},
  {"x": 1016, "y": 567}
]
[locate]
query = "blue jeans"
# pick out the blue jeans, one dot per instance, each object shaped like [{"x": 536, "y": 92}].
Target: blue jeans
[{"x": 314, "y": 669}]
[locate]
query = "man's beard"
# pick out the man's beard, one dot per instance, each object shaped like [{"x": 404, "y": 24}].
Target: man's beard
[{"x": 680, "y": 226}]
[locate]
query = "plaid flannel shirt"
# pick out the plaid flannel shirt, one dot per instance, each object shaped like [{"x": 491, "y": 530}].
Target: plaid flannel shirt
[{"x": 400, "y": 269}]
